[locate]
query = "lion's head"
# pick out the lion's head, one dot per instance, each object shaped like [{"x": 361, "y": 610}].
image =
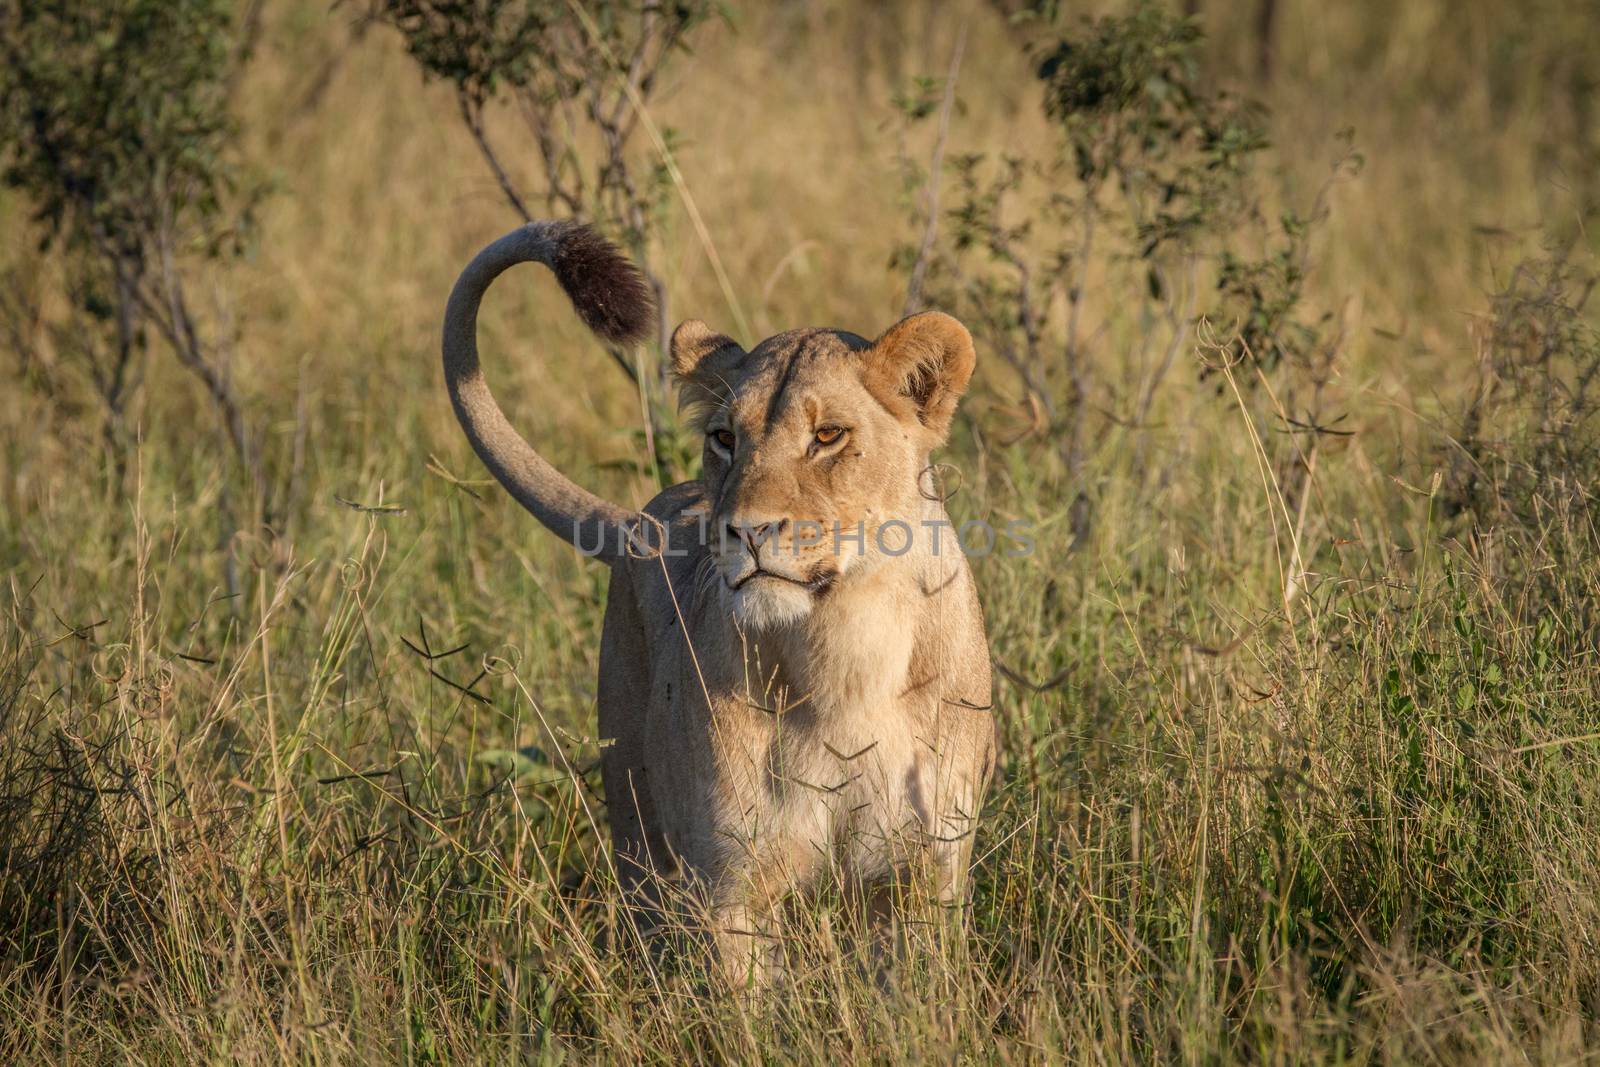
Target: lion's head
[{"x": 815, "y": 446}]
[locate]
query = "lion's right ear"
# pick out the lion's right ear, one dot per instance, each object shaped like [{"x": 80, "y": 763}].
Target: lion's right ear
[
  {"x": 702, "y": 361},
  {"x": 693, "y": 343}
]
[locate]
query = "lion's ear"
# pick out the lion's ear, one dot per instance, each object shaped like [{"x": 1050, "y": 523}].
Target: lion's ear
[
  {"x": 922, "y": 365},
  {"x": 702, "y": 362},
  {"x": 693, "y": 343}
]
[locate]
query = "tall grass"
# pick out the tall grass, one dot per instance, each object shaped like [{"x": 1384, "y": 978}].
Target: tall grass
[{"x": 1301, "y": 753}]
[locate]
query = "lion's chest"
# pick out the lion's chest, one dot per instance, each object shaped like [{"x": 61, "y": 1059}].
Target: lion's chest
[
  {"x": 796, "y": 755},
  {"x": 857, "y": 793}
]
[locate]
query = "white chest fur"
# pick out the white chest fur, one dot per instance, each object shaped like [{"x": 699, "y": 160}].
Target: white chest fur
[
  {"x": 829, "y": 745},
  {"x": 846, "y": 772}
]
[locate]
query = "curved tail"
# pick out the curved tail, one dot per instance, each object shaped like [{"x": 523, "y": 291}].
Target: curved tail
[{"x": 611, "y": 297}]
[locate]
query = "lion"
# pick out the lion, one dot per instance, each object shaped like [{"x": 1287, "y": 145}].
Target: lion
[{"x": 794, "y": 674}]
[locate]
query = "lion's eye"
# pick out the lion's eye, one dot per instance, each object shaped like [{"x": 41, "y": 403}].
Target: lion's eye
[
  {"x": 723, "y": 438},
  {"x": 827, "y": 435}
]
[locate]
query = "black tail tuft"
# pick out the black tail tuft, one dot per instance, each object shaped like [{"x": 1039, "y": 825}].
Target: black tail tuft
[{"x": 607, "y": 290}]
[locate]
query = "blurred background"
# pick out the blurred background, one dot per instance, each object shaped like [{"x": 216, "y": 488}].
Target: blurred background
[{"x": 354, "y": 189}]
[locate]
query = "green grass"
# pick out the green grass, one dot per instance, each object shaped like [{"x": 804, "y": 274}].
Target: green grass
[
  {"x": 1336, "y": 809},
  {"x": 1356, "y": 831}
]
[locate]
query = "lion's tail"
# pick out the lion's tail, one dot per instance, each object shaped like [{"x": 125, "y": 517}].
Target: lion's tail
[{"x": 612, "y": 298}]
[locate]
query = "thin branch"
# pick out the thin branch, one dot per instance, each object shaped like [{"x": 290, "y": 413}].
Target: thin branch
[
  {"x": 919, "y": 269},
  {"x": 472, "y": 114},
  {"x": 1181, "y": 323}
]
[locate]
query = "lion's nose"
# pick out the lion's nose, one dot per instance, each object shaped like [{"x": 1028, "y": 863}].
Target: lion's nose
[{"x": 755, "y": 532}]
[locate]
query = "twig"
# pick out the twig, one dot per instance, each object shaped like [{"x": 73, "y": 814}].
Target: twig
[
  {"x": 930, "y": 232},
  {"x": 383, "y": 772},
  {"x": 472, "y": 114},
  {"x": 1014, "y": 678}
]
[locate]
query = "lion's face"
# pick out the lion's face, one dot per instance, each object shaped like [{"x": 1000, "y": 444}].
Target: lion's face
[{"x": 815, "y": 444}]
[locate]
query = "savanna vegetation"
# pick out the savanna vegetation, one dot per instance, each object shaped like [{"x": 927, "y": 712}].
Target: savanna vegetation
[{"x": 1286, "y": 349}]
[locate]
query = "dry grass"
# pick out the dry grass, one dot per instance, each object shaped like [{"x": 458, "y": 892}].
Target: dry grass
[{"x": 244, "y": 817}]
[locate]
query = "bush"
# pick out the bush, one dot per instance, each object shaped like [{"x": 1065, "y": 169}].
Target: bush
[{"x": 115, "y": 128}]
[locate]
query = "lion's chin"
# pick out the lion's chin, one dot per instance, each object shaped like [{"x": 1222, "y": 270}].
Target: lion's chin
[{"x": 764, "y": 603}]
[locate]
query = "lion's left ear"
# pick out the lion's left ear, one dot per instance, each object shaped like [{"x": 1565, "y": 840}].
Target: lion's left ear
[{"x": 920, "y": 367}]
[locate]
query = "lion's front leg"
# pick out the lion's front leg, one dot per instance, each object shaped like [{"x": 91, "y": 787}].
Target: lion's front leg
[
  {"x": 747, "y": 894},
  {"x": 744, "y": 944}
]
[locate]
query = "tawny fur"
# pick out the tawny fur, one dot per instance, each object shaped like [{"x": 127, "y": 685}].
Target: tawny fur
[{"x": 780, "y": 713}]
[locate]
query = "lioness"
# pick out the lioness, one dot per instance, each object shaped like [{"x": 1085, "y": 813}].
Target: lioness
[{"x": 793, "y": 668}]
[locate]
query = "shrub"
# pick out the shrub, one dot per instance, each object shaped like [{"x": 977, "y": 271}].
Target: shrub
[{"x": 115, "y": 128}]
